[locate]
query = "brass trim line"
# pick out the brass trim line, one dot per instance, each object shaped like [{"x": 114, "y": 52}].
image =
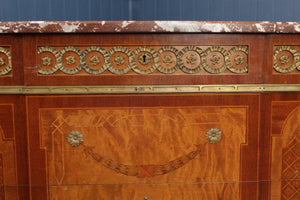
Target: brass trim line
[{"x": 148, "y": 89}]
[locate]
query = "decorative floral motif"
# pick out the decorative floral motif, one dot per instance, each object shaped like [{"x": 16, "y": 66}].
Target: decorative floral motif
[
  {"x": 284, "y": 59},
  {"x": 120, "y": 60},
  {"x": 191, "y": 59},
  {"x": 213, "y": 135},
  {"x": 75, "y": 138},
  {"x": 70, "y": 60},
  {"x": 215, "y": 60},
  {"x": 46, "y": 61},
  {"x": 239, "y": 60},
  {"x": 95, "y": 60},
  {"x": 168, "y": 60}
]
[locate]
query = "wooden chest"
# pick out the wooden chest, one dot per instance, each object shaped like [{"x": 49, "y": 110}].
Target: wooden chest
[{"x": 149, "y": 110}]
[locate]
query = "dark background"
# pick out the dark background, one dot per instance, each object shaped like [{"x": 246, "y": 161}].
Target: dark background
[{"x": 202, "y": 10}]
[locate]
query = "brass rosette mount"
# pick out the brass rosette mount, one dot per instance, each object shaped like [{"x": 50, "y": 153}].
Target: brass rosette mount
[
  {"x": 286, "y": 59},
  {"x": 190, "y": 59},
  {"x": 95, "y": 60},
  {"x": 214, "y": 135},
  {"x": 215, "y": 59},
  {"x": 168, "y": 63},
  {"x": 54, "y": 60},
  {"x": 5, "y": 61},
  {"x": 238, "y": 59},
  {"x": 71, "y": 60},
  {"x": 75, "y": 138},
  {"x": 121, "y": 60}
]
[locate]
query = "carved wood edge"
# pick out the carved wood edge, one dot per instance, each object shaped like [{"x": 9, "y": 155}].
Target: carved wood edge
[{"x": 148, "y": 89}]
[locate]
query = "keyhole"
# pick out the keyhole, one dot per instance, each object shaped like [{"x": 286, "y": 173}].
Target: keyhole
[{"x": 144, "y": 58}]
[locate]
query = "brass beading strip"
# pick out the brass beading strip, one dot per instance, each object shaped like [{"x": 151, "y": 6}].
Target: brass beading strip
[{"x": 148, "y": 89}]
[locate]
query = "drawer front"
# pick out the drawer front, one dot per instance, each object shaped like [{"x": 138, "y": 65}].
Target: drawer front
[
  {"x": 112, "y": 59},
  {"x": 143, "y": 146}
]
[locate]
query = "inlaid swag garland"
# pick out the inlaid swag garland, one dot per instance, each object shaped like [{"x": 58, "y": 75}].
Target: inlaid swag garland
[
  {"x": 142, "y": 60},
  {"x": 76, "y": 138}
]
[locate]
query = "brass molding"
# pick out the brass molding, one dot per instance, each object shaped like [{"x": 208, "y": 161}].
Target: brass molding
[{"x": 148, "y": 89}]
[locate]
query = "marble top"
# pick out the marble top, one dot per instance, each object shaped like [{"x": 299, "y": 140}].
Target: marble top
[{"x": 148, "y": 26}]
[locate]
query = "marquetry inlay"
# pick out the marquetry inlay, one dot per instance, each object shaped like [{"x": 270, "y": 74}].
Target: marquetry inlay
[
  {"x": 142, "y": 59},
  {"x": 291, "y": 171},
  {"x": 143, "y": 171},
  {"x": 5, "y": 61}
]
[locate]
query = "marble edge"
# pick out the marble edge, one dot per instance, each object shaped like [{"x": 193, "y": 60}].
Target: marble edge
[{"x": 148, "y": 26}]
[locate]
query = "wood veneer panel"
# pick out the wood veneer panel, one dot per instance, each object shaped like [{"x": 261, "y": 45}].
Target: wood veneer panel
[
  {"x": 51, "y": 118},
  {"x": 254, "y": 43},
  {"x": 278, "y": 131},
  {"x": 13, "y": 148}
]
